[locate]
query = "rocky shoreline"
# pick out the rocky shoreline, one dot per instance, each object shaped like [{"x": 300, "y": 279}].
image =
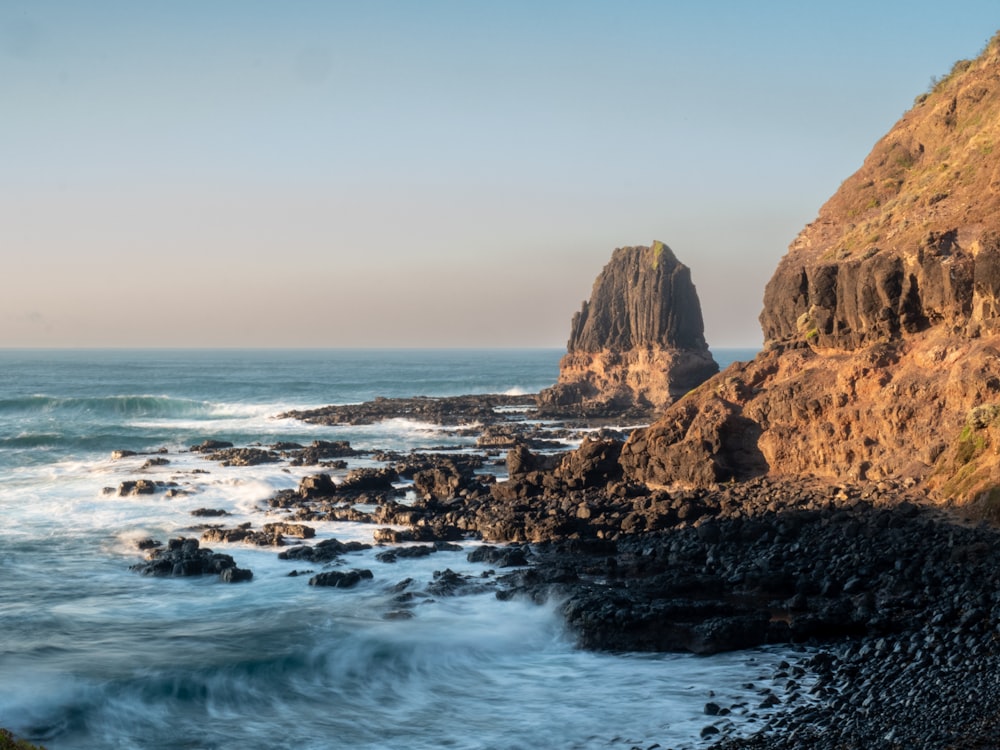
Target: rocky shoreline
[{"x": 895, "y": 601}]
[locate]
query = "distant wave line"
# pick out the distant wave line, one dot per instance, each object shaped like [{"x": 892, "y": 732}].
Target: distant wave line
[{"x": 119, "y": 406}]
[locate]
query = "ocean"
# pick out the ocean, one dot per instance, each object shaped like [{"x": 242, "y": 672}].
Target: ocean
[{"x": 95, "y": 656}]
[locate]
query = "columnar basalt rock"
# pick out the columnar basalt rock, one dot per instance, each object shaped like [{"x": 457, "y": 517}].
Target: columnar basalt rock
[
  {"x": 638, "y": 344},
  {"x": 881, "y": 324}
]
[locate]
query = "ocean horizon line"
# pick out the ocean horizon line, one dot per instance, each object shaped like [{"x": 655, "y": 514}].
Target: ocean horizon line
[{"x": 745, "y": 347}]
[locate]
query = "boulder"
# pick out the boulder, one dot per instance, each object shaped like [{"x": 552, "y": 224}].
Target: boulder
[
  {"x": 366, "y": 480},
  {"x": 184, "y": 557},
  {"x": 341, "y": 579},
  {"x": 207, "y": 446},
  {"x": 317, "y": 485}
]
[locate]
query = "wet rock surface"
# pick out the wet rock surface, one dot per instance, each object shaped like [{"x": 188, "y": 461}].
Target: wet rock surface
[
  {"x": 185, "y": 557},
  {"x": 269, "y": 535},
  {"x": 341, "y": 579},
  {"x": 242, "y": 456},
  {"x": 894, "y": 601},
  {"x": 451, "y": 410},
  {"x": 319, "y": 453}
]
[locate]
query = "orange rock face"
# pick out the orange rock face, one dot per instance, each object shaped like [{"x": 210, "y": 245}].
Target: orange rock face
[{"x": 882, "y": 325}]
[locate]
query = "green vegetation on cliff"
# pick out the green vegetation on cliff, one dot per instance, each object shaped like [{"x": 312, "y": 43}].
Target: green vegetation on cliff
[
  {"x": 9, "y": 742},
  {"x": 931, "y": 173}
]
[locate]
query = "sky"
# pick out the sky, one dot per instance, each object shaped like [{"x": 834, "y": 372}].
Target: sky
[{"x": 427, "y": 173}]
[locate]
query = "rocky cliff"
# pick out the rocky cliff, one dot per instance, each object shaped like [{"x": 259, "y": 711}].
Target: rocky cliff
[
  {"x": 638, "y": 343},
  {"x": 882, "y": 324}
]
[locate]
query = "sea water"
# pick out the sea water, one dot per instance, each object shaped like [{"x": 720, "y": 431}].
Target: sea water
[{"x": 95, "y": 656}]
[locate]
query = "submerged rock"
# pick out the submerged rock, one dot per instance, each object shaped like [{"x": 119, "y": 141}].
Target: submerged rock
[{"x": 341, "y": 579}]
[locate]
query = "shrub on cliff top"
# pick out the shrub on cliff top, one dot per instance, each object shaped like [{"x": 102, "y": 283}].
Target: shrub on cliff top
[{"x": 9, "y": 742}]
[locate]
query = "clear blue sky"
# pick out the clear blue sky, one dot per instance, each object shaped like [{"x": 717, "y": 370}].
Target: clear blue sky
[{"x": 425, "y": 173}]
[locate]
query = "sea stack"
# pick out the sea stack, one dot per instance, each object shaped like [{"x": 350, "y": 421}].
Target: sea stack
[
  {"x": 638, "y": 344},
  {"x": 882, "y": 325}
]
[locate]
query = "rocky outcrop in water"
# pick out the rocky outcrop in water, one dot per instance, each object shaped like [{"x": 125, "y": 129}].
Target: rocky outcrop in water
[
  {"x": 882, "y": 325},
  {"x": 637, "y": 344},
  {"x": 185, "y": 557},
  {"x": 446, "y": 410}
]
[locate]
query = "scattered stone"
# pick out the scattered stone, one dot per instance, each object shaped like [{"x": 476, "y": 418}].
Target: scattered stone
[
  {"x": 243, "y": 456},
  {"x": 323, "y": 552},
  {"x": 340, "y": 579},
  {"x": 211, "y": 445},
  {"x": 501, "y": 557},
  {"x": 136, "y": 487}
]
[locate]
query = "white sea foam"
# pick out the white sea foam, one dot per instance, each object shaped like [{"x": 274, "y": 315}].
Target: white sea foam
[
  {"x": 516, "y": 391},
  {"x": 97, "y": 656}
]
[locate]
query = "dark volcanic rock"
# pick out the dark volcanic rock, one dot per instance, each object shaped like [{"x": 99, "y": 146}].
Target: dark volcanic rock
[
  {"x": 502, "y": 557},
  {"x": 184, "y": 557},
  {"x": 405, "y": 553},
  {"x": 317, "y": 485},
  {"x": 409, "y": 464},
  {"x": 341, "y": 579},
  {"x": 521, "y": 461},
  {"x": 440, "y": 483},
  {"x": 211, "y": 445},
  {"x": 765, "y": 562},
  {"x": 323, "y": 552},
  {"x": 449, "y": 583},
  {"x": 643, "y": 296},
  {"x": 365, "y": 480},
  {"x": 137, "y": 487},
  {"x": 320, "y": 452},
  {"x": 243, "y": 456},
  {"x": 638, "y": 344},
  {"x": 593, "y": 464},
  {"x": 452, "y": 410},
  {"x": 270, "y": 535}
]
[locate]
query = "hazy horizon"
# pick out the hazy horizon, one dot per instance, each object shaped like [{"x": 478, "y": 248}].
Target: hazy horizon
[{"x": 434, "y": 175}]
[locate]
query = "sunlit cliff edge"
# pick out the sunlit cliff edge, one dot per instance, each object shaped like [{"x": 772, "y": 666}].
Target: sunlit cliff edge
[{"x": 881, "y": 323}]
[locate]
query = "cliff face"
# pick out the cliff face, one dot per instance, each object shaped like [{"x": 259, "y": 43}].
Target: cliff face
[
  {"x": 643, "y": 297},
  {"x": 910, "y": 242},
  {"x": 882, "y": 323},
  {"x": 638, "y": 343}
]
